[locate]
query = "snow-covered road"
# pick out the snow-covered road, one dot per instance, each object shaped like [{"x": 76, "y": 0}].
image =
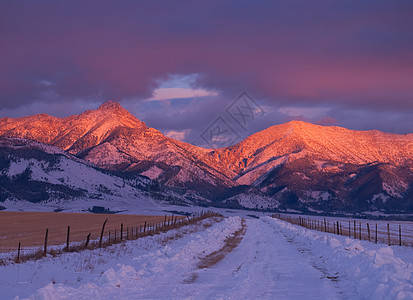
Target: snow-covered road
[
  {"x": 274, "y": 260},
  {"x": 264, "y": 266}
]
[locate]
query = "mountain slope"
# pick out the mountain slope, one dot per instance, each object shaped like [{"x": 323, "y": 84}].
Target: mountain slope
[
  {"x": 74, "y": 133},
  {"x": 294, "y": 165},
  {"x": 305, "y": 166},
  {"x": 35, "y": 172},
  {"x": 295, "y": 140},
  {"x": 112, "y": 138}
]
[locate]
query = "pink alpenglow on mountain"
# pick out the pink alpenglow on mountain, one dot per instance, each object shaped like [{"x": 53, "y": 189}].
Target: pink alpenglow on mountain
[{"x": 296, "y": 165}]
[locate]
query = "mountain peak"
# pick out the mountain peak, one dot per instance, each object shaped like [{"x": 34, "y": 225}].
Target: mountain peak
[
  {"x": 297, "y": 124},
  {"x": 109, "y": 105}
]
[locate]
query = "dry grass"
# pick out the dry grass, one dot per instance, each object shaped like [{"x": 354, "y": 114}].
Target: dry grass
[
  {"x": 230, "y": 244},
  {"x": 191, "y": 279},
  {"x": 29, "y": 227}
]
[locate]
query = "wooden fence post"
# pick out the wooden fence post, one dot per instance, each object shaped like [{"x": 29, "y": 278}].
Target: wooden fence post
[
  {"x": 375, "y": 240},
  {"x": 18, "y": 253},
  {"x": 368, "y": 231},
  {"x": 400, "y": 235},
  {"x": 388, "y": 233},
  {"x": 325, "y": 225},
  {"x": 338, "y": 229},
  {"x": 349, "y": 229},
  {"x": 67, "y": 238},
  {"x": 45, "y": 242},
  {"x": 101, "y": 233},
  {"x": 360, "y": 231},
  {"x": 144, "y": 227},
  {"x": 87, "y": 240},
  {"x": 121, "y": 232},
  {"x": 354, "y": 227}
]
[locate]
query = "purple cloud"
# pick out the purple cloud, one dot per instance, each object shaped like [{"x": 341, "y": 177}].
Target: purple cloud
[{"x": 353, "y": 58}]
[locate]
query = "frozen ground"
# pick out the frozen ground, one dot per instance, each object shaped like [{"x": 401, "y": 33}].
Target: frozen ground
[{"x": 274, "y": 260}]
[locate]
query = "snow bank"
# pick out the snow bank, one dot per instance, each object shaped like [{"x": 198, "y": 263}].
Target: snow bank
[
  {"x": 371, "y": 271},
  {"x": 149, "y": 271}
]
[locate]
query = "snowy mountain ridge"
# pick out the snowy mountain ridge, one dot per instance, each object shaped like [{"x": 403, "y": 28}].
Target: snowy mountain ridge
[
  {"x": 293, "y": 165},
  {"x": 39, "y": 173}
]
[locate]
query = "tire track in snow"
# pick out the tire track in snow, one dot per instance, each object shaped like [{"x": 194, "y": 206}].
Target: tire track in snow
[
  {"x": 316, "y": 262},
  {"x": 263, "y": 266},
  {"x": 230, "y": 244},
  {"x": 215, "y": 257}
]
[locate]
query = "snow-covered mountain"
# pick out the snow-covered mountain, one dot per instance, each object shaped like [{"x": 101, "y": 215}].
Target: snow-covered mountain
[
  {"x": 295, "y": 165},
  {"x": 306, "y": 166},
  {"x": 36, "y": 172},
  {"x": 114, "y": 139}
]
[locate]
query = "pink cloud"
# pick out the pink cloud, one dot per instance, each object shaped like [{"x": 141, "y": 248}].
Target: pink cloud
[{"x": 350, "y": 55}]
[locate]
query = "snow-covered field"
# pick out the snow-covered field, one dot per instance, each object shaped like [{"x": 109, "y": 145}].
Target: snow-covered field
[
  {"x": 406, "y": 228},
  {"x": 274, "y": 260}
]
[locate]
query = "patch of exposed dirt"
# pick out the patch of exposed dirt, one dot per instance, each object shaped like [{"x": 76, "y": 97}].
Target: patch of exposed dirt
[{"x": 230, "y": 244}]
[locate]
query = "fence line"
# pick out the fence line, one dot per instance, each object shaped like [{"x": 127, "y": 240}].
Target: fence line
[
  {"x": 395, "y": 235},
  {"x": 118, "y": 236}
]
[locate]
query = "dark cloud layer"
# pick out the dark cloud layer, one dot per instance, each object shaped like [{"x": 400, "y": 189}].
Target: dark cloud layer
[{"x": 353, "y": 57}]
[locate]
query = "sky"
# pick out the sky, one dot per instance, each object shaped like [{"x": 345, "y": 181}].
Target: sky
[{"x": 181, "y": 66}]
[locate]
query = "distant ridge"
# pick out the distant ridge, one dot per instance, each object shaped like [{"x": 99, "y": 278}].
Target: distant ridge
[{"x": 295, "y": 165}]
